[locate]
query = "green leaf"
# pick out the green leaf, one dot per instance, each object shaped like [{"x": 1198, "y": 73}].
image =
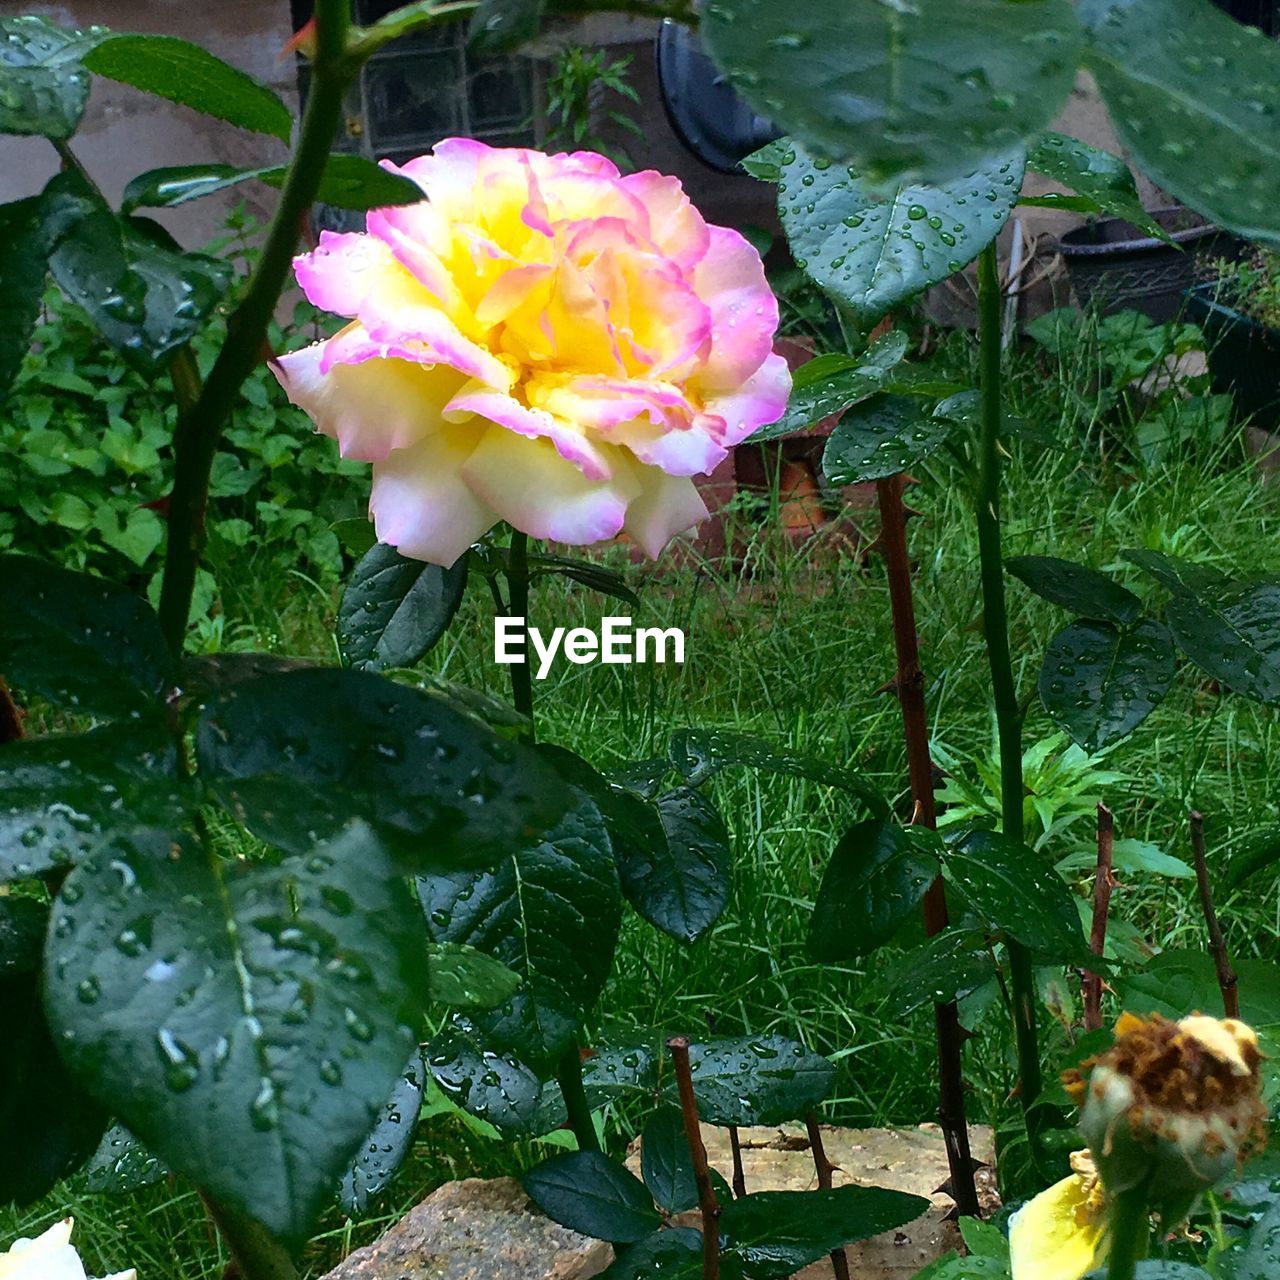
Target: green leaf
[
  {"x": 1232, "y": 633},
  {"x": 673, "y": 1254},
  {"x": 185, "y": 73},
  {"x": 1251, "y": 1259},
  {"x": 983, "y": 1240},
  {"x": 596, "y": 577},
  {"x": 494, "y": 1087},
  {"x": 1099, "y": 681},
  {"x": 1102, "y": 181},
  {"x": 1010, "y": 888},
  {"x": 62, "y": 796},
  {"x": 665, "y": 1163},
  {"x": 394, "y": 610},
  {"x": 1131, "y": 856},
  {"x": 302, "y": 751},
  {"x": 589, "y": 1193},
  {"x": 1086, "y": 592},
  {"x": 775, "y": 1233},
  {"x": 247, "y": 1020},
  {"x": 931, "y": 87},
  {"x": 83, "y": 643},
  {"x": 1178, "y": 575},
  {"x": 48, "y": 1124},
  {"x": 882, "y": 438},
  {"x": 756, "y": 1080},
  {"x": 43, "y": 87},
  {"x": 949, "y": 966},
  {"x": 387, "y": 1145},
  {"x": 140, "y": 534},
  {"x": 1177, "y": 983},
  {"x": 877, "y": 877},
  {"x": 699, "y": 754},
  {"x": 356, "y": 535},
  {"x": 766, "y": 164},
  {"x": 122, "y": 1164},
  {"x": 1257, "y": 850},
  {"x": 875, "y": 249},
  {"x": 498, "y": 26},
  {"x": 1186, "y": 88},
  {"x": 551, "y": 914},
  {"x": 463, "y": 976}
]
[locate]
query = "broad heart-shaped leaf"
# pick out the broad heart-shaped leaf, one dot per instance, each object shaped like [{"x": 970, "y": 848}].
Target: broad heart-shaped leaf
[
  {"x": 1232, "y": 633},
  {"x": 495, "y": 1087},
  {"x": 466, "y": 977},
  {"x": 1086, "y": 592},
  {"x": 877, "y": 876},
  {"x": 755, "y": 1080},
  {"x": 395, "y": 609},
  {"x": 185, "y": 73},
  {"x": 587, "y": 1192},
  {"x": 775, "y": 1233},
  {"x": 1013, "y": 890},
  {"x": 303, "y": 751},
  {"x": 881, "y": 438},
  {"x": 665, "y": 1162},
  {"x": 1100, "y": 681},
  {"x": 247, "y": 1020},
  {"x": 348, "y": 182},
  {"x": 62, "y": 796},
  {"x": 1186, "y": 87},
  {"x": 699, "y": 754},
  {"x": 146, "y": 298},
  {"x": 551, "y": 914},
  {"x": 43, "y": 87},
  {"x": 1176, "y": 983},
  {"x": 122, "y": 1164},
  {"x": 80, "y": 641},
  {"x": 387, "y": 1145},
  {"x": 831, "y": 383},
  {"x": 931, "y": 88},
  {"x": 1102, "y": 180},
  {"x": 874, "y": 249},
  {"x": 673, "y": 1254},
  {"x": 950, "y": 965},
  {"x": 48, "y": 1125}
]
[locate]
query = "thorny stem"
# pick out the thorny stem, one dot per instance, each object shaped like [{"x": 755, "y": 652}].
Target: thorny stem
[
  {"x": 1004, "y": 690},
  {"x": 707, "y": 1203},
  {"x": 255, "y": 1254},
  {"x": 1103, "y": 883},
  {"x": 1130, "y": 1230},
  {"x": 1227, "y": 980},
  {"x": 824, "y": 1169},
  {"x": 200, "y": 428},
  {"x": 909, "y": 686}
]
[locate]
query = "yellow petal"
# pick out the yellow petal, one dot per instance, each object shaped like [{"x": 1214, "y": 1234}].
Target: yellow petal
[{"x": 1057, "y": 1235}]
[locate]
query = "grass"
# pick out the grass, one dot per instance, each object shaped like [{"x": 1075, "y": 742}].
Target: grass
[{"x": 794, "y": 644}]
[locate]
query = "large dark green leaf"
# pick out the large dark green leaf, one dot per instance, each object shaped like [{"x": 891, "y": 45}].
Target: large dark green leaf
[
  {"x": 1189, "y": 92},
  {"x": 877, "y": 876},
  {"x": 495, "y": 1087},
  {"x": 1102, "y": 182},
  {"x": 1254, "y": 1258},
  {"x": 43, "y": 87},
  {"x": 881, "y": 438},
  {"x": 395, "y": 609},
  {"x": 1176, "y": 983},
  {"x": 464, "y": 977},
  {"x": 551, "y": 914},
  {"x": 302, "y": 751},
  {"x": 183, "y": 72},
  {"x": 931, "y": 87},
  {"x": 951, "y": 965},
  {"x": 756, "y": 1080},
  {"x": 386, "y": 1147},
  {"x": 246, "y": 1020},
  {"x": 122, "y": 1164},
  {"x": 775, "y": 1233},
  {"x": 665, "y": 1162},
  {"x": 1099, "y": 681},
  {"x": 587, "y": 1192},
  {"x": 1086, "y": 592},
  {"x": 83, "y": 643},
  {"x": 48, "y": 1125},
  {"x": 499, "y": 25},
  {"x": 1174, "y": 572},
  {"x": 674, "y": 1254},
  {"x": 875, "y": 249},
  {"x": 1015, "y": 891},
  {"x": 61, "y": 796}
]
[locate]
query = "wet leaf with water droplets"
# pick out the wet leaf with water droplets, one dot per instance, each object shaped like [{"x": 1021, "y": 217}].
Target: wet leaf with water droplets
[
  {"x": 589, "y": 1193},
  {"x": 949, "y": 966},
  {"x": 881, "y": 438},
  {"x": 43, "y": 86},
  {"x": 255, "y": 1023},
  {"x": 380, "y": 1155},
  {"x": 1086, "y": 592},
  {"x": 122, "y": 1164},
  {"x": 84, "y": 643},
  {"x": 665, "y": 1163},
  {"x": 673, "y": 1254},
  {"x": 494, "y": 1087},
  {"x": 465, "y": 977}
]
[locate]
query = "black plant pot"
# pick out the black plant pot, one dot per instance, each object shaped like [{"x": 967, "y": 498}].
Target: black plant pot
[
  {"x": 1244, "y": 356},
  {"x": 1114, "y": 267}
]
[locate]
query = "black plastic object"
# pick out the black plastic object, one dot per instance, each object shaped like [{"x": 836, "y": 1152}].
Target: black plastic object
[
  {"x": 703, "y": 107},
  {"x": 1244, "y": 356}
]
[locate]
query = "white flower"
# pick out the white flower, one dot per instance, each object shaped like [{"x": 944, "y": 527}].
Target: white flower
[{"x": 50, "y": 1256}]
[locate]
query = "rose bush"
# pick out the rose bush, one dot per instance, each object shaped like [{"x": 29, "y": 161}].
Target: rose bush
[{"x": 541, "y": 341}]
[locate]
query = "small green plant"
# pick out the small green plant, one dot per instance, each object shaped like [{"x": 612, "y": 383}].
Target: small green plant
[
  {"x": 583, "y": 82},
  {"x": 1250, "y": 284}
]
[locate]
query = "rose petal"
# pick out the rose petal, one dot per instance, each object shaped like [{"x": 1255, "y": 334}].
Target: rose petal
[
  {"x": 666, "y": 506},
  {"x": 744, "y": 312},
  {"x": 760, "y": 400},
  {"x": 675, "y": 226},
  {"x": 343, "y": 271}
]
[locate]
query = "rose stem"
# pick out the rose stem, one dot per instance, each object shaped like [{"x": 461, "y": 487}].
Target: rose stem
[
  {"x": 679, "y": 1047},
  {"x": 255, "y": 1254},
  {"x": 1103, "y": 883},
  {"x": 824, "y": 1168},
  {"x": 1130, "y": 1231},
  {"x": 1227, "y": 980},
  {"x": 909, "y": 687},
  {"x": 1003, "y": 688}
]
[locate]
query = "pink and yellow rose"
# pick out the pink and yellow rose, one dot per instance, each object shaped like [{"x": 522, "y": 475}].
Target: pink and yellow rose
[{"x": 542, "y": 341}]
